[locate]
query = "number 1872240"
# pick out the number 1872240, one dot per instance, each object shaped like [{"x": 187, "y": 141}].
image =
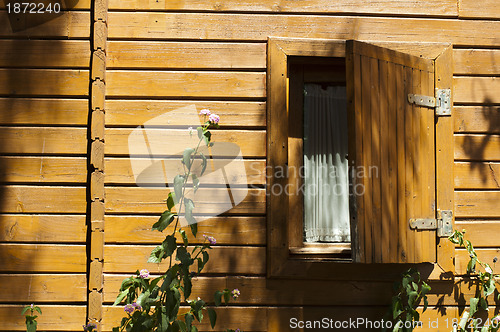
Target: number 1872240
[{"x": 33, "y": 8}]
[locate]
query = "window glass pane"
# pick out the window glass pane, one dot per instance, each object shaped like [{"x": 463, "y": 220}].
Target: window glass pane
[{"x": 326, "y": 180}]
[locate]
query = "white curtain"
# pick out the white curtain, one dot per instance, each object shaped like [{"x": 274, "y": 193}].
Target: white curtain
[{"x": 326, "y": 182}]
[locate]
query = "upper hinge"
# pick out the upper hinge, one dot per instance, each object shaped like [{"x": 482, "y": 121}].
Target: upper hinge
[
  {"x": 441, "y": 102},
  {"x": 443, "y": 225}
]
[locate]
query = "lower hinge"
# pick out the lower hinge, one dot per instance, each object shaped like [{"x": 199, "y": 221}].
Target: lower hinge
[{"x": 443, "y": 225}]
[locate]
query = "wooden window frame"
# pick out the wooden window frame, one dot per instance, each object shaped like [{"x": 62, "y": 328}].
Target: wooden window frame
[{"x": 287, "y": 257}]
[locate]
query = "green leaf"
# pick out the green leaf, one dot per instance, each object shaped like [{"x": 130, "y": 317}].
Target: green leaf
[
  {"x": 187, "y": 286},
  {"x": 121, "y": 296},
  {"x": 178, "y": 183},
  {"x": 200, "y": 132},
  {"x": 189, "y": 320},
  {"x": 26, "y": 308},
  {"x": 218, "y": 298},
  {"x": 203, "y": 163},
  {"x": 483, "y": 304},
  {"x": 426, "y": 303},
  {"x": 186, "y": 157},
  {"x": 412, "y": 296},
  {"x": 194, "y": 228},
  {"x": 196, "y": 182},
  {"x": 184, "y": 236},
  {"x": 31, "y": 323},
  {"x": 157, "y": 255},
  {"x": 169, "y": 245},
  {"x": 425, "y": 288},
  {"x": 171, "y": 200},
  {"x": 189, "y": 206},
  {"x": 166, "y": 219},
  {"x": 142, "y": 299},
  {"x": 471, "y": 267},
  {"x": 207, "y": 136},
  {"x": 212, "y": 315},
  {"x": 473, "y": 306},
  {"x": 489, "y": 286},
  {"x": 182, "y": 325},
  {"x": 227, "y": 296}
]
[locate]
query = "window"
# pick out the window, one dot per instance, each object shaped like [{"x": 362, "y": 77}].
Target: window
[{"x": 391, "y": 155}]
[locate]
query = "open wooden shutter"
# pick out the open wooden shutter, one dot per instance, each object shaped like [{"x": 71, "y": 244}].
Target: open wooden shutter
[{"x": 393, "y": 154}]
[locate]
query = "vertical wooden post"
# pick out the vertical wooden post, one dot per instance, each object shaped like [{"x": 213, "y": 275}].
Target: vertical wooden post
[
  {"x": 97, "y": 121},
  {"x": 445, "y": 159}
]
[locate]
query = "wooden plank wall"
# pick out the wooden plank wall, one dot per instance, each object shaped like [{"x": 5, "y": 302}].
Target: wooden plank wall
[
  {"x": 165, "y": 55},
  {"x": 44, "y": 79}
]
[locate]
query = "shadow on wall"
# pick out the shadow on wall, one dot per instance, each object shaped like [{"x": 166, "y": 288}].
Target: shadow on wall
[{"x": 24, "y": 106}]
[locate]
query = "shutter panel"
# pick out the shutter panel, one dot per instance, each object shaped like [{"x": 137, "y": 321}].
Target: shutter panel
[{"x": 393, "y": 154}]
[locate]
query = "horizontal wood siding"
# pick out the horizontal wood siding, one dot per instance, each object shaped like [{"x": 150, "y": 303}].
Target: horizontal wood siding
[{"x": 44, "y": 89}]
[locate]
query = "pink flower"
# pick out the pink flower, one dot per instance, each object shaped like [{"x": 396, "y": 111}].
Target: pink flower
[
  {"x": 129, "y": 308},
  {"x": 205, "y": 112},
  {"x": 214, "y": 118},
  {"x": 144, "y": 274},
  {"x": 210, "y": 239},
  {"x": 235, "y": 293}
]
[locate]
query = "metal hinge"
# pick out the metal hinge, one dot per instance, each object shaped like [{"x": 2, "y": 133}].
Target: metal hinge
[
  {"x": 443, "y": 225},
  {"x": 442, "y": 101}
]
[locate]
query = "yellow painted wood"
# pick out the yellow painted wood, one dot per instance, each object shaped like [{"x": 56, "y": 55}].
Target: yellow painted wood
[
  {"x": 136, "y": 112},
  {"x": 482, "y": 233},
  {"x": 168, "y": 141},
  {"x": 226, "y": 230},
  {"x": 476, "y": 61},
  {"x": 43, "y": 111},
  {"x": 46, "y": 82},
  {"x": 470, "y": 8},
  {"x": 420, "y": 7},
  {"x": 42, "y": 228},
  {"x": 477, "y": 147},
  {"x": 44, "y": 169},
  {"x": 185, "y": 84},
  {"x": 484, "y": 255},
  {"x": 42, "y": 258},
  {"x": 22, "y": 140},
  {"x": 152, "y": 200},
  {"x": 44, "y": 53},
  {"x": 257, "y": 27},
  {"x": 139, "y": 54},
  {"x": 237, "y": 260},
  {"x": 119, "y": 170},
  {"x": 477, "y": 204},
  {"x": 40, "y": 288},
  {"x": 477, "y": 119},
  {"x": 74, "y": 24},
  {"x": 54, "y": 318},
  {"x": 477, "y": 175},
  {"x": 483, "y": 90},
  {"x": 36, "y": 199}
]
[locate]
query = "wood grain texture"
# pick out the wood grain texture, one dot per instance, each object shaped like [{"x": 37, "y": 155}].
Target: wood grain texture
[
  {"x": 407, "y": 7},
  {"x": 185, "y": 84},
  {"x": 481, "y": 90},
  {"x": 54, "y": 318},
  {"x": 476, "y": 61},
  {"x": 477, "y": 147},
  {"x": 262, "y": 292},
  {"x": 42, "y": 258},
  {"x": 34, "y": 199},
  {"x": 226, "y": 260},
  {"x": 258, "y": 26},
  {"x": 140, "y": 54},
  {"x": 73, "y": 24},
  {"x": 119, "y": 171},
  {"x": 44, "y": 82},
  {"x": 172, "y": 141},
  {"x": 45, "y": 53},
  {"x": 482, "y": 233},
  {"x": 43, "y": 111},
  {"x": 43, "y": 169},
  {"x": 152, "y": 200},
  {"x": 226, "y": 230},
  {"x": 484, "y": 255},
  {"x": 133, "y": 112},
  {"x": 470, "y": 8},
  {"x": 477, "y": 119},
  {"x": 477, "y": 204},
  {"x": 42, "y": 228},
  {"x": 40, "y": 288},
  {"x": 477, "y": 175},
  {"x": 26, "y": 140}
]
